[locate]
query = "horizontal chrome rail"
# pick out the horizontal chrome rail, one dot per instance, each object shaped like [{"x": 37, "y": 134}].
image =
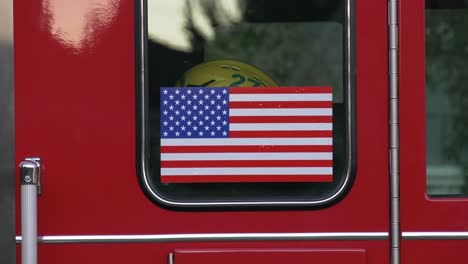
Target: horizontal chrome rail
[
  {"x": 434, "y": 235},
  {"x": 210, "y": 237},
  {"x": 71, "y": 239}
]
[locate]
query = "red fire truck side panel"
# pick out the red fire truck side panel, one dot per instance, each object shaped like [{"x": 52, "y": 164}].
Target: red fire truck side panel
[
  {"x": 75, "y": 109},
  {"x": 418, "y": 211}
]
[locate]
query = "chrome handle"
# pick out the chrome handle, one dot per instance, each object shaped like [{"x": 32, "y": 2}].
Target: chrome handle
[{"x": 30, "y": 175}]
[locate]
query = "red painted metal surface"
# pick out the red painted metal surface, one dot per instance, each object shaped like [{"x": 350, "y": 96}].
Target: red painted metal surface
[
  {"x": 272, "y": 256},
  {"x": 453, "y": 252},
  {"x": 75, "y": 108},
  {"x": 376, "y": 251}
]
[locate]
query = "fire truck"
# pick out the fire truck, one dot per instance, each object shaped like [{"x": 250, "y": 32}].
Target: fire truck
[{"x": 235, "y": 131}]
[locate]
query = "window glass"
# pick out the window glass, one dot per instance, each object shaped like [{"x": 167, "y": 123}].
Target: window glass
[
  {"x": 298, "y": 46},
  {"x": 447, "y": 97}
]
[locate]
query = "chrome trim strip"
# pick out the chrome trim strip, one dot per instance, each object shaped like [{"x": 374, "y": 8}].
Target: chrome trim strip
[
  {"x": 435, "y": 235},
  {"x": 225, "y": 237},
  {"x": 394, "y": 151},
  {"x": 245, "y": 237},
  {"x": 143, "y": 126},
  {"x": 7, "y": 135}
]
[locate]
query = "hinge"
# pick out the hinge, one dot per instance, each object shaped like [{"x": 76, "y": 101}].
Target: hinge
[{"x": 394, "y": 148}]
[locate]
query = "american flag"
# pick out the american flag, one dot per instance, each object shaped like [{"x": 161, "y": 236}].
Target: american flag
[{"x": 239, "y": 134}]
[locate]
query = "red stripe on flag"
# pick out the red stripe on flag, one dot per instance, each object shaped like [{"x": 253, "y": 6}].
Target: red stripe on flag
[
  {"x": 277, "y": 90},
  {"x": 279, "y": 134},
  {"x": 244, "y": 178},
  {"x": 282, "y": 104},
  {"x": 245, "y": 163},
  {"x": 280, "y": 119},
  {"x": 226, "y": 149}
]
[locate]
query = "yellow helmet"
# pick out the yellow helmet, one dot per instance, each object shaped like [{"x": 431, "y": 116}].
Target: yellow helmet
[{"x": 225, "y": 73}]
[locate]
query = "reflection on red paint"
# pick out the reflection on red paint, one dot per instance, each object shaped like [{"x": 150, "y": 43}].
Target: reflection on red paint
[{"x": 77, "y": 24}]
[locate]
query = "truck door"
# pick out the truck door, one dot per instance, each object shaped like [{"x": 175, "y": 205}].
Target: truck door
[
  {"x": 299, "y": 171},
  {"x": 433, "y": 131}
]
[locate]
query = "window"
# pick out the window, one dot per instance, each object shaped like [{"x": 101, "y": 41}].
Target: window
[
  {"x": 447, "y": 97},
  {"x": 295, "y": 45}
]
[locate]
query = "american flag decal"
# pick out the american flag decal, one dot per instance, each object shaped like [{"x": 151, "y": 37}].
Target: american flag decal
[{"x": 238, "y": 134}]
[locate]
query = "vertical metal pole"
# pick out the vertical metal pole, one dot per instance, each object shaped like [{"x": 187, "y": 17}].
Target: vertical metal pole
[
  {"x": 394, "y": 150},
  {"x": 30, "y": 178}
]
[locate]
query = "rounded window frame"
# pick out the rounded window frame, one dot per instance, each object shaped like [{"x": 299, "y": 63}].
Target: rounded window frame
[{"x": 142, "y": 119}]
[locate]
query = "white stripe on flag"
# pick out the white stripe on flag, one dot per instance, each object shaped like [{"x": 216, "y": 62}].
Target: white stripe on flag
[
  {"x": 325, "y": 141},
  {"x": 248, "y": 156},
  {"x": 248, "y": 171},
  {"x": 280, "y": 97},
  {"x": 280, "y": 127},
  {"x": 280, "y": 112}
]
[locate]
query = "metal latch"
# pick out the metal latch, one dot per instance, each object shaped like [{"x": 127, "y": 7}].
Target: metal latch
[
  {"x": 31, "y": 173},
  {"x": 170, "y": 259}
]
